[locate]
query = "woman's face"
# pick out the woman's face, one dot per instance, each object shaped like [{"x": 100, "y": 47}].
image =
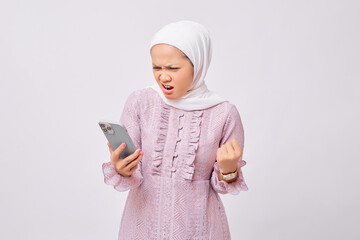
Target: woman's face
[{"x": 173, "y": 71}]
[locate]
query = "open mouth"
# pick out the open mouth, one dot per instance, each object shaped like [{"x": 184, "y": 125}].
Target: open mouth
[{"x": 167, "y": 87}]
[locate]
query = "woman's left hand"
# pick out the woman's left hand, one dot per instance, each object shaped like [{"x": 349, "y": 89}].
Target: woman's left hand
[{"x": 228, "y": 155}]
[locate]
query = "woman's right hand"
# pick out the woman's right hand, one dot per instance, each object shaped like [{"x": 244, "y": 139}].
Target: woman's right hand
[{"x": 125, "y": 167}]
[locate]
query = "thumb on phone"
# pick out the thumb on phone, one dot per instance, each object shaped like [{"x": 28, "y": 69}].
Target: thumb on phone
[{"x": 115, "y": 154}]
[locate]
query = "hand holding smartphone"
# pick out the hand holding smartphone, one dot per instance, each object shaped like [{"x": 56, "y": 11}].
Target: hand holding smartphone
[
  {"x": 116, "y": 134},
  {"x": 120, "y": 140}
]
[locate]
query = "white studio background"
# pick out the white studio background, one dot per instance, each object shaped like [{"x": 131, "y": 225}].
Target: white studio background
[{"x": 290, "y": 67}]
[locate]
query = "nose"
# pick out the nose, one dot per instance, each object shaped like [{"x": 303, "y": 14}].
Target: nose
[{"x": 164, "y": 77}]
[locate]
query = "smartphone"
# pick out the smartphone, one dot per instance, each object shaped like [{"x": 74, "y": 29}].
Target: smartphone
[{"x": 116, "y": 134}]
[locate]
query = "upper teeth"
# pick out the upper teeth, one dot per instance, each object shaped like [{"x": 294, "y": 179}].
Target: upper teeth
[{"x": 167, "y": 87}]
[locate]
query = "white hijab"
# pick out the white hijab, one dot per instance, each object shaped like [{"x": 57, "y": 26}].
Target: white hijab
[{"x": 193, "y": 39}]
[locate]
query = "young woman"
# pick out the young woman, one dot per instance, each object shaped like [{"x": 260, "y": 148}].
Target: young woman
[{"x": 189, "y": 141}]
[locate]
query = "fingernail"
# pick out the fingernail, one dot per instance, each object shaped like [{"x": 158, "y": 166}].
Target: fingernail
[
  {"x": 142, "y": 153},
  {"x": 123, "y": 145}
]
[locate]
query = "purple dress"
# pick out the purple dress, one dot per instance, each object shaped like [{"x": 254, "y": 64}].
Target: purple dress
[{"x": 174, "y": 191}]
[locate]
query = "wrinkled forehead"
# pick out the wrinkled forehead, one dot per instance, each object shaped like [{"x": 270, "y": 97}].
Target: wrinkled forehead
[
  {"x": 168, "y": 50},
  {"x": 169, "y": 47}
]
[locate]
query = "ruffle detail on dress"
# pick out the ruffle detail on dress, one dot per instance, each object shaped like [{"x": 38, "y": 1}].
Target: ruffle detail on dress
[
  {"x": 161, "y": 138},
  {"x": 111, "y": 177},
  {"x": 120, "y": 183},
  {"x": 189, "y": 166}
]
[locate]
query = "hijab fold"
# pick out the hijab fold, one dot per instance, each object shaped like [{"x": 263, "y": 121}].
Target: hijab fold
[{"x": 193, "y": 39}]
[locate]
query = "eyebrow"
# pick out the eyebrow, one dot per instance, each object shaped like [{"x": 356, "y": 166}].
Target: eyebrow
[{"x": 167, "y": 66}]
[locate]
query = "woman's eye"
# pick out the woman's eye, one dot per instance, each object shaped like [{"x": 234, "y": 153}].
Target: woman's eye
[{"x": 157, "y": 68}]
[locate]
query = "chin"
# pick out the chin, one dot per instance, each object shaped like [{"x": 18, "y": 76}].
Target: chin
[{"x": 170, "y": 97}]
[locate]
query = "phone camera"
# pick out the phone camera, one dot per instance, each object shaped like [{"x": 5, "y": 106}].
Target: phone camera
[{"x": 106, "y": 128}]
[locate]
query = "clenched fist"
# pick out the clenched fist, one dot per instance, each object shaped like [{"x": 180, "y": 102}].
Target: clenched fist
[
  {"x": 125, "y": 167},
  {"x": 228, "y": 155}
]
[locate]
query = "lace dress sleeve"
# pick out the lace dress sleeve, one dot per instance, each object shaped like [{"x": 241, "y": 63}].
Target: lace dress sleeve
[
  {"x": 131, "y": 119},
  {"x": 233, "y": 129}
]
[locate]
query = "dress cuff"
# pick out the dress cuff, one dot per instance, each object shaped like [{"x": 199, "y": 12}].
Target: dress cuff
[
  {"x": 121, "y": 183},
  {"x": 224, "y": 187}
]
